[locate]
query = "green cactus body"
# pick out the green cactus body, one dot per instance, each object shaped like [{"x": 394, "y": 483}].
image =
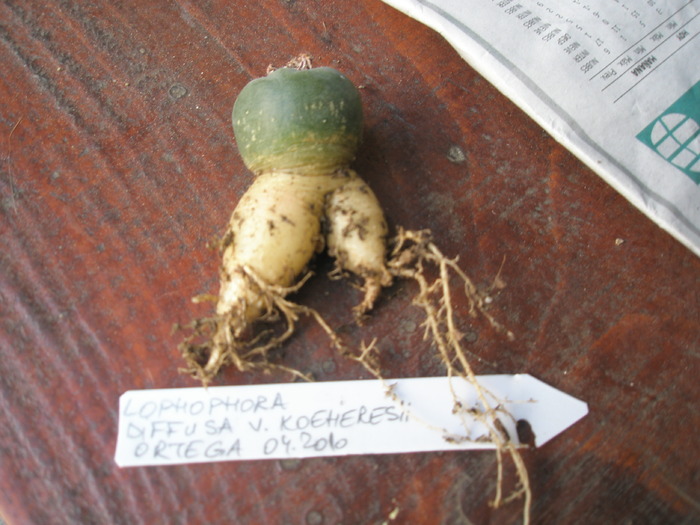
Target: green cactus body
[{"x": 306, "y": 122}]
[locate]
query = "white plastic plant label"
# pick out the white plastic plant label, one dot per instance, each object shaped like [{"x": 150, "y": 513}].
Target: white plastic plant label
[{"x": 296, "y": 420}]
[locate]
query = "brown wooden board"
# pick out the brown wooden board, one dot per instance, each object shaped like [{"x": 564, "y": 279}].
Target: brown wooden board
[{"x": 118, "y": 165}]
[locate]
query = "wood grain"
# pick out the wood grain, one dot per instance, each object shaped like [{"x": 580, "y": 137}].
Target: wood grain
[{"x": 118, "y": 164}]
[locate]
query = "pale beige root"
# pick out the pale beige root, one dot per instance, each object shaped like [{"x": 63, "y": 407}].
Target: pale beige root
[
  {"x": 356, "y": 237},
  {"x": 273, "y": 234},
  {"x": 213, "y": 342},
  {"x": 415, "y": 257}
]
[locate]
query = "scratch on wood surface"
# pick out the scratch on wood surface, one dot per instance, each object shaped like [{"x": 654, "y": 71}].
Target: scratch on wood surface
[
  {"x": 12, "y": 200},
  {"x": 688, "y": 498}
]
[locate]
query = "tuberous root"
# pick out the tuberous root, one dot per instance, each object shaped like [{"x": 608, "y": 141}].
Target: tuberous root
[{"x": 220, "y": 340}]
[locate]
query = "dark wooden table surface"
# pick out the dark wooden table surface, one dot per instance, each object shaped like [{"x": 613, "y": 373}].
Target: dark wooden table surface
[{"x": 118, "y": 165}]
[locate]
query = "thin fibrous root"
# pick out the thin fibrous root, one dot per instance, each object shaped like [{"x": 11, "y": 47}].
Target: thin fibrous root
[
  {"x": 214, "y": 342},
  {"x": 368, "y": 357},
  {"x": 413, "y": 254}
]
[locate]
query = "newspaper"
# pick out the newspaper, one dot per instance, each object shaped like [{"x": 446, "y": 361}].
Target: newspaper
[{"x": 617, "y": 82}]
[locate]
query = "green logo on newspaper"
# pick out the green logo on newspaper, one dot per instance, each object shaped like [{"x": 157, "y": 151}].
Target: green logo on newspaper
[{"x": 675, "y": 134}]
